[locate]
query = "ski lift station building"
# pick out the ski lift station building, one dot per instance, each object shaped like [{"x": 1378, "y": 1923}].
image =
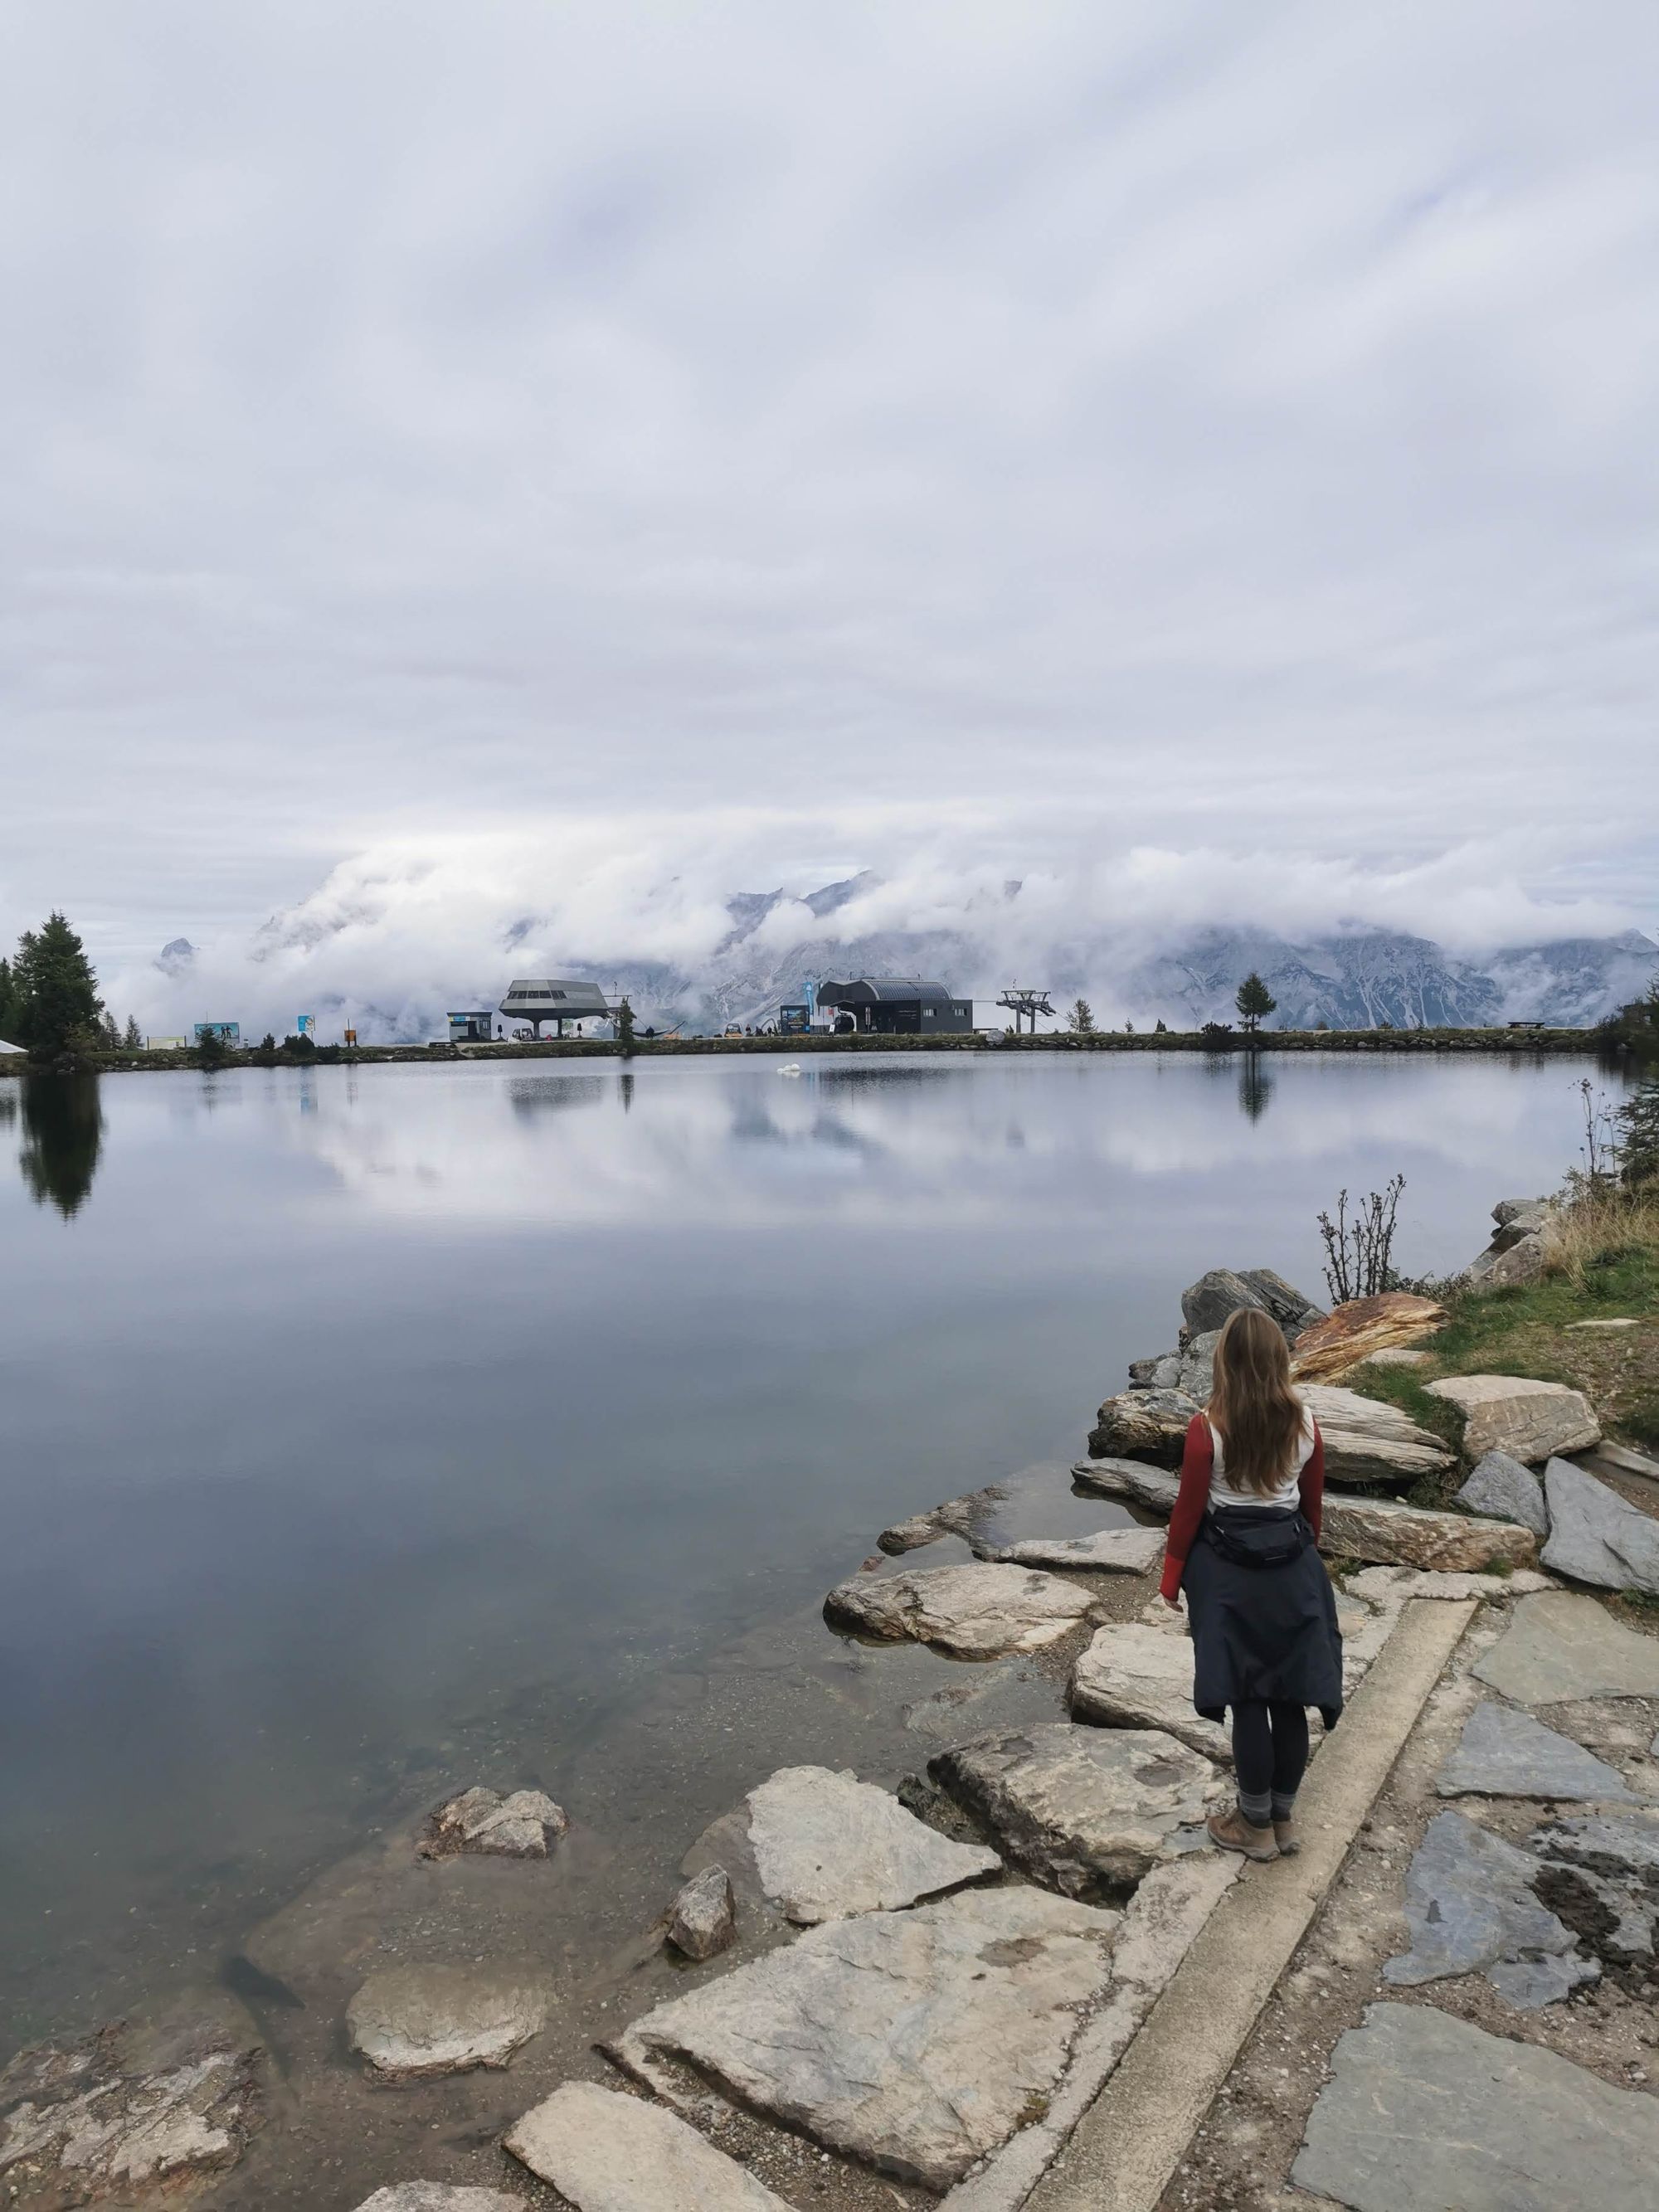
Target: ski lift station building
[
  {"x": 560, "y": 999},
  {"x": 898, "y": 1005}
]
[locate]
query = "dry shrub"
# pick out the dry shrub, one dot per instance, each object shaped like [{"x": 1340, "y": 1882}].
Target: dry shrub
[{"x": 1599, "y": 1225}]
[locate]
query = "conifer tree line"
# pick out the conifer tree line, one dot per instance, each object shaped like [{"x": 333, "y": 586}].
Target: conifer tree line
[{"x": 49, "y": 1001}]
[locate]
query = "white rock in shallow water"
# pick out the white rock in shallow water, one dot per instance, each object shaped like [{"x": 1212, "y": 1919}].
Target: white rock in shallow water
[
  {"x": 916, "y": 2041},
  {"x": 702, "y": 1919},
  {"x": 1598, "y": 1536},
  {"x": 1109, "y": 1551},
  {"x": 978, "y": 1612},
  {"x": 520, "y": 1827},
  {"x": 827, "y": 1845},
  {"x": 1136, "y": 1676},
  {"x": 1086, "y": 1811},
  {"x": 438, "y": 2197},
  {"x": 1513, "y": 1413},
  {"x": 606, "y": 2152},
  {"x": 413, "y": 2022}
]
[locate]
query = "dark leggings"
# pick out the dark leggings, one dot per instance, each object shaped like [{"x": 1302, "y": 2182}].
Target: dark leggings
[{"x": 1270, "y": 1751}]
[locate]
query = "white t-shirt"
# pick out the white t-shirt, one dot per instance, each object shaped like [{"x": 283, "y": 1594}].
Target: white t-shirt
[{"x": 1285, "y": 1498}]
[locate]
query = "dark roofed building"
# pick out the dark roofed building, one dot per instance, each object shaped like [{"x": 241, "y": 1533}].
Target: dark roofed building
[
  {"x": 898, "y": 1005},
  {"x": 560, "y": 999}
]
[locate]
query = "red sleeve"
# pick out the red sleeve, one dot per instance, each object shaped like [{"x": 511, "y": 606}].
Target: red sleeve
[
  {"x": 1197, "y": 1463},
  {"x": 1312, "y": 1485}
]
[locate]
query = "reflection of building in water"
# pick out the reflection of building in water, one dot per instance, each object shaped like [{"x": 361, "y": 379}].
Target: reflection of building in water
[
  {"x": 556, "y": 998},
  {"x": 1255, "y": 1085},
  {"x": 897, "y": 1005},
  {"x": 63, "y": 1129}
]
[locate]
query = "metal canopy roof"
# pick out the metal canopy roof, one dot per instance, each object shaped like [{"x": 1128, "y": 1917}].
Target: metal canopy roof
[
  {"x": 553, "y": 998},
  {"x": 863, "y": 990}
]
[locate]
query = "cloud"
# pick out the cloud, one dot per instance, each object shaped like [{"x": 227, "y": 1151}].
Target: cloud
[{"x": 1228, "y": 439}]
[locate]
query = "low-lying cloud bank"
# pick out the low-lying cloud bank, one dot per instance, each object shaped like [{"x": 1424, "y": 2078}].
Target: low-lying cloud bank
[{"x": 720, "y": 923}]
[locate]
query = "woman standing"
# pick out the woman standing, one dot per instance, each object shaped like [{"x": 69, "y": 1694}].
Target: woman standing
[{"x": 1242, "y": 1549}]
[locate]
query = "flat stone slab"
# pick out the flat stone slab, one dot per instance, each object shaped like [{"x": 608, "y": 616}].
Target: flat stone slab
[
  {"x": 524, "y": 1825},
  {"x": 1424, "y": 2113},
  {"x": 1470, "y": 1908},
  {"x": 1107, "y": 1551},
  {"x": 1087, "y": 1811},
  {"x": 1600, "y": 1871},
  {"x": 1506, "y": 1754},
  {"x": 827, "y": 1845},
  {"x": 915, "y": 2041},
  {"x": 439, "y": 2197},
  {"x": 130, "y": 2113},
  {"x": 1561, "y": 1646},
  {"x": 604, "y": 2151},
  {"x": 1387, "y": 1533},
  {"x": 1505, "y": 1488},
  {"x": 1367, "y": 1440},
  {"x": 977, "y": 1612},
  {"x": 1598, "y": 1536},
  {"x": 1393, "y": 1586},
  {"x": 1154, "y": 1487},
  {"x": 1136, "y": 1676},
  {"x": 1512, "y": 1413},
  {"x": 412, "y": 2023}
]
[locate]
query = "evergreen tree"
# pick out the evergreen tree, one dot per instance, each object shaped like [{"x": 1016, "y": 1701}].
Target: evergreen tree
[
  {"x": 110, "y": 1029},
  {"x": 10, "y": 1013},
  {"x": 1638, "y": 1137},
  {"x": 1083, "y": 1019},
  {"x": 1254, "y": 999},
  {"x": 132, "y": 1039},
  {"x": 625, "y": 1026},
  {"x": 55, "y": 991}
]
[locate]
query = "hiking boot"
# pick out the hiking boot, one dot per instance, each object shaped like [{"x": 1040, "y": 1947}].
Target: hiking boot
[
  {"x": 1288, "y": 1837},
  {"x": 1235, "y": 1834}
]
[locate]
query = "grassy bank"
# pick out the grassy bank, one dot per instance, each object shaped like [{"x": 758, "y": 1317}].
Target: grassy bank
[{"x": 1603, "y": 1265}]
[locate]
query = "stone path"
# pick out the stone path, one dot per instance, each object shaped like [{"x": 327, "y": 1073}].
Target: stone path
[
  {"x": 605, "y": 2152},
  {"x": 827, "y": 1846}
]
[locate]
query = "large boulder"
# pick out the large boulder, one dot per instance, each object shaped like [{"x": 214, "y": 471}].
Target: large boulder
[
  {"x": 1384, "y": 1533},
  {"x": 1133, "y": 1675},
  {"x": 413, "y": 2023},
  {"x": 827, "y": 1845},
  {"x": 1195, "y": 1371},
  {"x": 1519, "y": 1248},
  {"x": 915, "y": 2041},
  {"x": 607, "y": 2152},
  {"x": 1368, "y": 1441},
  {"x": 1154, "y": 1487},
  {"x": 1532, "y": 1421},
  {"x": 134, "y": 2114},
  {"x": 1207, "y": 1303},
  {"x": 1598, "y": 1536},
  {"x": 1087, "y": 1811},
  {"x": 977, "y": 1612},
  {"x": 1143, "y": 1424},
  {"x": 1424, "y": 2111},
  {"x": 1350, "y": 1334},
  {"x": 1504, "y": 1489}
]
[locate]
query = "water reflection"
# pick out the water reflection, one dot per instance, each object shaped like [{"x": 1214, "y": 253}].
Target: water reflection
[
  {"x": 1255, "y": 1086},
  {"x": 62, "y": 1132}
]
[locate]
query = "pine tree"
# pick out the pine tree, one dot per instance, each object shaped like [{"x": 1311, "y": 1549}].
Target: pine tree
[
  {"x": 625, "y": 1026},
  {"x": 1254, "y": 999},
  {"x": 109, "y": 1031},
  {"x": 132, "y": 1038},
  {"x": 1638, "y": 1136},
  {"x": 58, "y": 1009},
  {"x": 1083, "y": 1019},
  {"x": 9, "y": 1010}
]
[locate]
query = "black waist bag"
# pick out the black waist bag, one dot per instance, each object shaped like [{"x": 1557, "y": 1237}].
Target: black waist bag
[{"x": 1265, "y": 1538}]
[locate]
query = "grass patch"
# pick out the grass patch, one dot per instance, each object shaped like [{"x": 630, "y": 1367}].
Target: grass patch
[{"x": 1603, "y": 1265}]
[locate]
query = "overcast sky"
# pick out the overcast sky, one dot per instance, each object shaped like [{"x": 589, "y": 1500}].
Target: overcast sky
[{"x": 775, "y": 439}]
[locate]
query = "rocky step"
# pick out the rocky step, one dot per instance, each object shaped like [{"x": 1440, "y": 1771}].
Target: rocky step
[
  {"x": 604, "y": 2151},
  {"x": 1366, "y": 1441},
  {"x": 977, "y": 1612},
  {"x": 1532, "y": 1421}
]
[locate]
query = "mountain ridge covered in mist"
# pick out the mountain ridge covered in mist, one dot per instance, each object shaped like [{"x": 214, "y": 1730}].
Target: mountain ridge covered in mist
[{"x": 772, "y": 942}]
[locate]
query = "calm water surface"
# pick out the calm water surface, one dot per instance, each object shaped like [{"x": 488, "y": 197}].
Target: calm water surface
[{"x": 357, "y": 1425}]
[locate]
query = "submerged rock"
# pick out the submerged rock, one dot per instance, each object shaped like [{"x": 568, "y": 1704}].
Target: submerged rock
[
  {"x": 132, "y": 2112},
  {"x": 977, "y": 1612},
  {"x": 412, "y": 2023},
  {"x": 523, "y": 1825},
  {"x": 1086, "y": 1811},
  {"x": 1562, "y": 1646},
  {"x": 1423, "y": 2111},
  {"x": 604, "y": 2151},
  {"x": 957, "y": 1516},
  {"x": 1512, "y": 1413},
  {"x": 1598, "y": 1536},
  {"x": 438, "y": 2197},
  {"x": 915, "y": 2041},
  {"x": 1109, "y": 1551},
  {"x": 702, "y": 1919},
  {"x": 1505, "y": 1488},
  {"x": 1154, "y": 1487},
  {"x": 1506, "y": 1754},
  {"x": 1135, "y": 1676},
  {"x": 1361, "y": 1329},
  {"x": 827, "y": 1845}
]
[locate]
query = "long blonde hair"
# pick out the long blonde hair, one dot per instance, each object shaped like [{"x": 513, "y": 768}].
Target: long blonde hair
[{"x": 1252, "y": 1403}]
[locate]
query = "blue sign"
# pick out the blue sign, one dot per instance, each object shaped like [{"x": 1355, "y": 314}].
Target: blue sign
[{"x": 306, "y": 1024}]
